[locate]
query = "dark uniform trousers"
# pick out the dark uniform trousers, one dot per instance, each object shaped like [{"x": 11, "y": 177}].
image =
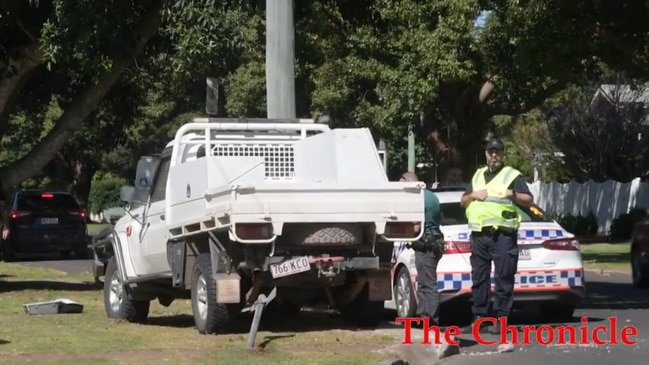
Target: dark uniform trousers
[
  {"x": 501, "y": 246},
  {"x": 428, "y": 252}
]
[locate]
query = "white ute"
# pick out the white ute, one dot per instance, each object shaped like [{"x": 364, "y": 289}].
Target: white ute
[{"x": 233, "y": 208}]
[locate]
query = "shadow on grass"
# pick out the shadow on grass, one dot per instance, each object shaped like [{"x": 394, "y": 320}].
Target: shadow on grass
[
  {"x": 13, "y": 286},
  {"x": 268, "y": 339},
  {"x": 4, "y": 342},
  {"x": 305, "y": 321}
]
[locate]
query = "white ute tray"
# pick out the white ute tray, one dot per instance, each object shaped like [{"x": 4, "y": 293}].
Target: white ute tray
[{"x": 256, "y": 177}]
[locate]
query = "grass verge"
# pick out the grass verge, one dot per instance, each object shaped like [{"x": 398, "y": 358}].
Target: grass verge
[
  {"x": 606, "y": 256},
  {"x": 170, "y": 336},
  {"x": 96, "y": 227}
]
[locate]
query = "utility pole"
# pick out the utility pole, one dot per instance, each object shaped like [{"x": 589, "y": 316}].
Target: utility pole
[
  {"x": 280, "y": 61},
  {"x": 411, "y": 149}
]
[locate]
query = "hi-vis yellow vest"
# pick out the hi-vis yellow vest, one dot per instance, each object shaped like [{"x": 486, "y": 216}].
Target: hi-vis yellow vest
[{"x": 489, "y": 213}]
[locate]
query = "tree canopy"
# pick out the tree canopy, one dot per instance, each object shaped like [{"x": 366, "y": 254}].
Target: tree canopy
[{"x": 86, "y": 86}]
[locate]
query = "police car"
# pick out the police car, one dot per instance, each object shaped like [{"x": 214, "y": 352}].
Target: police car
[{"x": 550, "y": 267}]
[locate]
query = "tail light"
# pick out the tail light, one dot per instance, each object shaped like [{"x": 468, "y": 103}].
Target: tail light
[
  {"x": 254, "y": 231},
  {"x": 453, "y": 247},
  {"x": 401, "y": 230},
  {"x": 564, "y": 244},
  {"x": 17, "y": 214},
  {"x": 82, "y": 214},
  {"x": 47, "y": 195}
]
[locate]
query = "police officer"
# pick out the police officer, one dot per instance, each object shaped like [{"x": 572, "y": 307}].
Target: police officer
[
  {"x": 494, "y": 221},
  {"x": 428, "y": 252}
]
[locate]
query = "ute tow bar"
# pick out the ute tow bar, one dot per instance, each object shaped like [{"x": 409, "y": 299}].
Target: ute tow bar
[{"x": 258, "y": 307}]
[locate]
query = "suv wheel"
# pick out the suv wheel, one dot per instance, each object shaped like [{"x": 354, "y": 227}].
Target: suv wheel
[
  {"x": 210, "y": 317},
  {"x": 117, "y": 303}
]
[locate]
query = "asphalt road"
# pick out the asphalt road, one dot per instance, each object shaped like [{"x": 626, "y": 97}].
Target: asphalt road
[
  {"x": 68, "y": 266},
  {"x": 609, "y": 295}
]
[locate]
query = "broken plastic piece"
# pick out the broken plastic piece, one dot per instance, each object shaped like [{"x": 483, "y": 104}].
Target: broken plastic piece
[
  {"x": 57, "y": 306},
  {"x": 505, "y": 347}
]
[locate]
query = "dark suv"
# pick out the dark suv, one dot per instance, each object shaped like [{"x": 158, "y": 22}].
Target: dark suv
[{"x": 45, "y": 222}]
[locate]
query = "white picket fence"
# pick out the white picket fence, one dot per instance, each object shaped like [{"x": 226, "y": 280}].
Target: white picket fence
[{"x": 605, "y": 200}]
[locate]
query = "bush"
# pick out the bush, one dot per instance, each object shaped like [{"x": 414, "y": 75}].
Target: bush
[
  {"x": 104, "y": 192},
  {"x": 622, "y": 226},
  {"x": 579, "y": 225}
]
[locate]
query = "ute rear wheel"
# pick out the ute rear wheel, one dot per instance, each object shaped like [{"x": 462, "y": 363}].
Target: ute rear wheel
[
  {"x": 210, "y": 317},
  {"x": 117, "y": 303}
]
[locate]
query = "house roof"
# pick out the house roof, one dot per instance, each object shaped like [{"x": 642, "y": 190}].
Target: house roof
[{"x": 614, "y": 93}]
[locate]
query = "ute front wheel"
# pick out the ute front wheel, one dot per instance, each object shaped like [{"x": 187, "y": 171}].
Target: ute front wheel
[
  {"x": 210, "y": 317},
  {"x": 117, "y": 303}
]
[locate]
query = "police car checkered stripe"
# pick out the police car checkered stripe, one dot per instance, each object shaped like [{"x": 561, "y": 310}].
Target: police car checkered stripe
[
  {"x": 524, "y": 234},
  {"x": 531, "y": 279},
  {"x": 396, "y": 251},
  {"x": 540, "y": 234}
]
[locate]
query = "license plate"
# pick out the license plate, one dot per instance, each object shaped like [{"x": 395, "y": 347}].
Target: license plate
[
  {"x": 49, "y": 220},
  {"x": 290, "y": 267},
  {"x": 524, "y": 254}
]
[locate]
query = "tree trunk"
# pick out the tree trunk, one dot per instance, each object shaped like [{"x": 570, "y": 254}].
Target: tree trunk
[
  {"x": 458, "y": 140},
  {"x": 73, "y": 176},
  {"x": 82, "y": 105},
  {"x": 21, "y": 62},
  {"x": 470, "y": 109},
  {"x": 82, "y": 181}
]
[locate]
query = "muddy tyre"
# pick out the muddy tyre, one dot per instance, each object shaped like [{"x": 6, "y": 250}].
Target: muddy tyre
[
  {"x": 327, "y": 234},
  {"x": 210, "y": 317},
  {"x": 117, "y": 303}
]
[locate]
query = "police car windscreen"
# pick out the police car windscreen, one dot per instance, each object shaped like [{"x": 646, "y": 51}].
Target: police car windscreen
[{"x": 455, "y": 214}]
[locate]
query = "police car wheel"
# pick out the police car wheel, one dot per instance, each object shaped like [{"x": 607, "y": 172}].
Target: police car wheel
[{"x": 405, "y": 300}]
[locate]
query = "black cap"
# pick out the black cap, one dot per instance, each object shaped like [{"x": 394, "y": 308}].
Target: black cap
[{"x": 494, "y": 143}]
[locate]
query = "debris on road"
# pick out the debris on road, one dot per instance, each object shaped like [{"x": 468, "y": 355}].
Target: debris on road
[
  {"x": 505, "y": 347},
  {"x": 57, "y": 306}
]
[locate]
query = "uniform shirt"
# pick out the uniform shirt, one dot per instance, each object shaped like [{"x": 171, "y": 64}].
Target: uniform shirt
[
  {"x": 432, "y": 214},
  {"x": 519, "y": 185}
]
